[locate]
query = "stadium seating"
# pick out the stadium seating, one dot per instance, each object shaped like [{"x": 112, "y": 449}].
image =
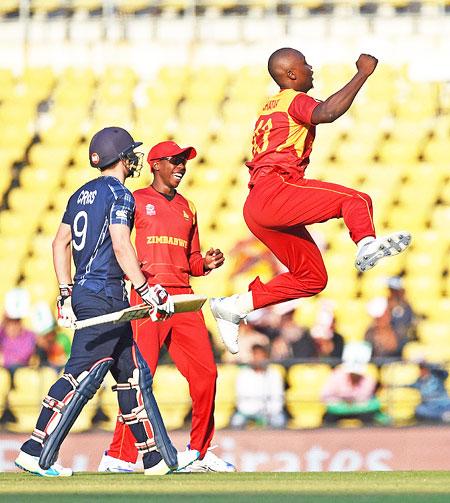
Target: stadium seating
[
  {"x": 5, "y": 385},
  {"x": 393, "y": 144},
  {"x": 303, "y": 400},
  {"x": 30, "y": 386},
  {"x": 58, "y": 159},
  {"x": 225, "y": 395},
  {"x": 172, "y": 394},
  {"x": 400, "y": 404}
]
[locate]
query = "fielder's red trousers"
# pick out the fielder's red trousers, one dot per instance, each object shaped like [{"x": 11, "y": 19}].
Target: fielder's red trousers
[
  {"x": 277, "y": 211},
  {"x": 187, "y": 341}
]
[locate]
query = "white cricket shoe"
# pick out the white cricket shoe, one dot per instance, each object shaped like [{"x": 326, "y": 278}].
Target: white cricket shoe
[
  {"x": 185, "y": 458},
  {"x": 228, "y": 319},
  {"x": 379, "y": 248},
  {"x": 115, "y": 465},
  {"x": 30, "y": 464},
  {"x": 210, "y": 463}
]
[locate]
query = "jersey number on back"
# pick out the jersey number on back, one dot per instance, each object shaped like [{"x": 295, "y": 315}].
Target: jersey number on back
[
  {"x": 80, "y": 230},
  {"x": 260, "y": 140}
]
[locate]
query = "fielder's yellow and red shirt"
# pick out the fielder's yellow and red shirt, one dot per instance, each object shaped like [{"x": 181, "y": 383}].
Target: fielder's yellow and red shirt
[
  {"x": 167, "y": 239},
  {"x": 283, "y": 136}
]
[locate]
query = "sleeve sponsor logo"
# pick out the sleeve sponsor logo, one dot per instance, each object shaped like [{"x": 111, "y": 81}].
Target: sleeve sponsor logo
[
  {"x": 186, "y": 215},
  {"x": 121, "y": 214}
]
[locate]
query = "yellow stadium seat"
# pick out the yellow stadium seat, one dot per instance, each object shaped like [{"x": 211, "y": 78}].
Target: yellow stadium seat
[
  {"x": 131, "y": 6},
  {"x": 423, "y": 282},
  {"x": 440, "y": 220},
  {"x": 172, "y": 394},
  {"x": 56, "y": 157},
  {"x": 424, "y": 304},
  {"x": 305, "y": 415},
  {"x": 31, "y": 385},
  {"x": 354, "y": 153},
  {"x": 411, "y": 218},
  {"x": 434, "y": 261},
  {"x": 14, "y": 223},
  {"x": 307, "y": 379},
  {"x": 225, "y": 395},
  {"x": 42, "y": 289},
  {"x": 74, "y": 179},
  {"x": 13, "y": 247},
  {"x": 395, "y": 152},
  {"x": 436, "y": 151},
  {"x": 434, "y": 332},
  {"x": 10, "y": 272},
  {"x": 46, "y": 6},
  {"x": 107, "y": 399},
  {"x": 89, "y": 5},
  {"x": 400, "y": 404},
  {"x": 439, "y": 310},
  {"x": 416, "y": 351},
  {"x": 399, "y": 374},
  {"x": 42, "y": 179},
  {"x": 340, "y": 285},
  {"x": 8, "y": 6},
  {"x": 351, "y": 313},
  {"x": 18, "y": 133},
  {"x": 5, "y": 385},
  {"x": 42, "y": 246},
  {"x": 66, "y": 132},
  {"x": 50, "y": 222},
  {"x": 303, "y": 400},
  {"x": 407, "y": 131},
  {"x": 413, "y": 351},
  {"x": 25, "y": 203},
  {"x": 281, "y": 369},
  {"x": 38, "y": 266}
]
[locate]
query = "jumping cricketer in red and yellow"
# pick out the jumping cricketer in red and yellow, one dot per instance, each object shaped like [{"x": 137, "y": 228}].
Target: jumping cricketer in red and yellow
[
  {"x": 168, "y": 247},
  {"x": 282, "y": 202}
]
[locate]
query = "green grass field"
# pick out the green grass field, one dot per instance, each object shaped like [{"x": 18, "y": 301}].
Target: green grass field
[{"x": 428, "y": 487}]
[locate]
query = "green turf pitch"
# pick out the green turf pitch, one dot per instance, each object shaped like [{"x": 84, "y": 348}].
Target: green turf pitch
[{"x": 363, "y": 487}]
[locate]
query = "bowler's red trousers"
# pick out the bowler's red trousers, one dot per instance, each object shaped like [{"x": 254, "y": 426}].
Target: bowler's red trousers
[
  {"x": 276, "y": 211},
  {"x": 187, "y": 341}
]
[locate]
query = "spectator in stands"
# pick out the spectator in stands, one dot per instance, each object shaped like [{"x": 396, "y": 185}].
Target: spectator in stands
[
  {"x": 52, "y": 345},
  {"x": 403, "y": 319},
  {"x": 435, "y": 402},
  {"x": 249, "y": 337},
  {"x": 267, "y": 321},
  {"x": 380, "y": 334},
  {"x": 349, "y": 393},
  {"x": 294, "y": 341},
  {"x": 17, "y": 344},
  {"x": 259, "y": 393},
  {"x": 329, "y": 343}
]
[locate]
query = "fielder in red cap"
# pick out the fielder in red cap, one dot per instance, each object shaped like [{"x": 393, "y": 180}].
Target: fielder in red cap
[{"x": 168, "y": 246}]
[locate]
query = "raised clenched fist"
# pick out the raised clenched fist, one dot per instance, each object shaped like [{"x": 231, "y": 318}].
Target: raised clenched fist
[{"x": 366, "y": 64}]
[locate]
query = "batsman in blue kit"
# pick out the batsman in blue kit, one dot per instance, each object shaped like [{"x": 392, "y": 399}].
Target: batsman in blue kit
[{"x": 95, "y": 230}]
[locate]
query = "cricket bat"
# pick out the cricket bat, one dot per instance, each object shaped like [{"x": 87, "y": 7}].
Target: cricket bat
[{"x": 182, "y": 303}]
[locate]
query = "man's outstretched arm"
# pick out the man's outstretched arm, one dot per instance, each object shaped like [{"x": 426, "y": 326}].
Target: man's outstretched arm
[{"x": 338, "y": 103}]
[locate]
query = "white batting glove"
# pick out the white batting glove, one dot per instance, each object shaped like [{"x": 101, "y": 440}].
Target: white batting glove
[
  {"x": 66, "y": 316},
  {"x": 158, "y": 298}
]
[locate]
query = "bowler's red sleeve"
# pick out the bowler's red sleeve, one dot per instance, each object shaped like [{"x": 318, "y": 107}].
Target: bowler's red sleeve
[
  {"x": 195, "y": 257},
  {"x": 301, "y": 108}
]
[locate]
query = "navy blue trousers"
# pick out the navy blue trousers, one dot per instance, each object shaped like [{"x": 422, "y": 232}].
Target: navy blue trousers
[{"x": 89, "y": 346}]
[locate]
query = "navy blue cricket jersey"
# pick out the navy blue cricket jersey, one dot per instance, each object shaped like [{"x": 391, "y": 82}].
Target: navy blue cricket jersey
[{"x": 90, "y": 211}]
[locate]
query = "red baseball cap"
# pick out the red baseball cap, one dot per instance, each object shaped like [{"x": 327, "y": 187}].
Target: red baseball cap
[{"x": 169, "y": 149}]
